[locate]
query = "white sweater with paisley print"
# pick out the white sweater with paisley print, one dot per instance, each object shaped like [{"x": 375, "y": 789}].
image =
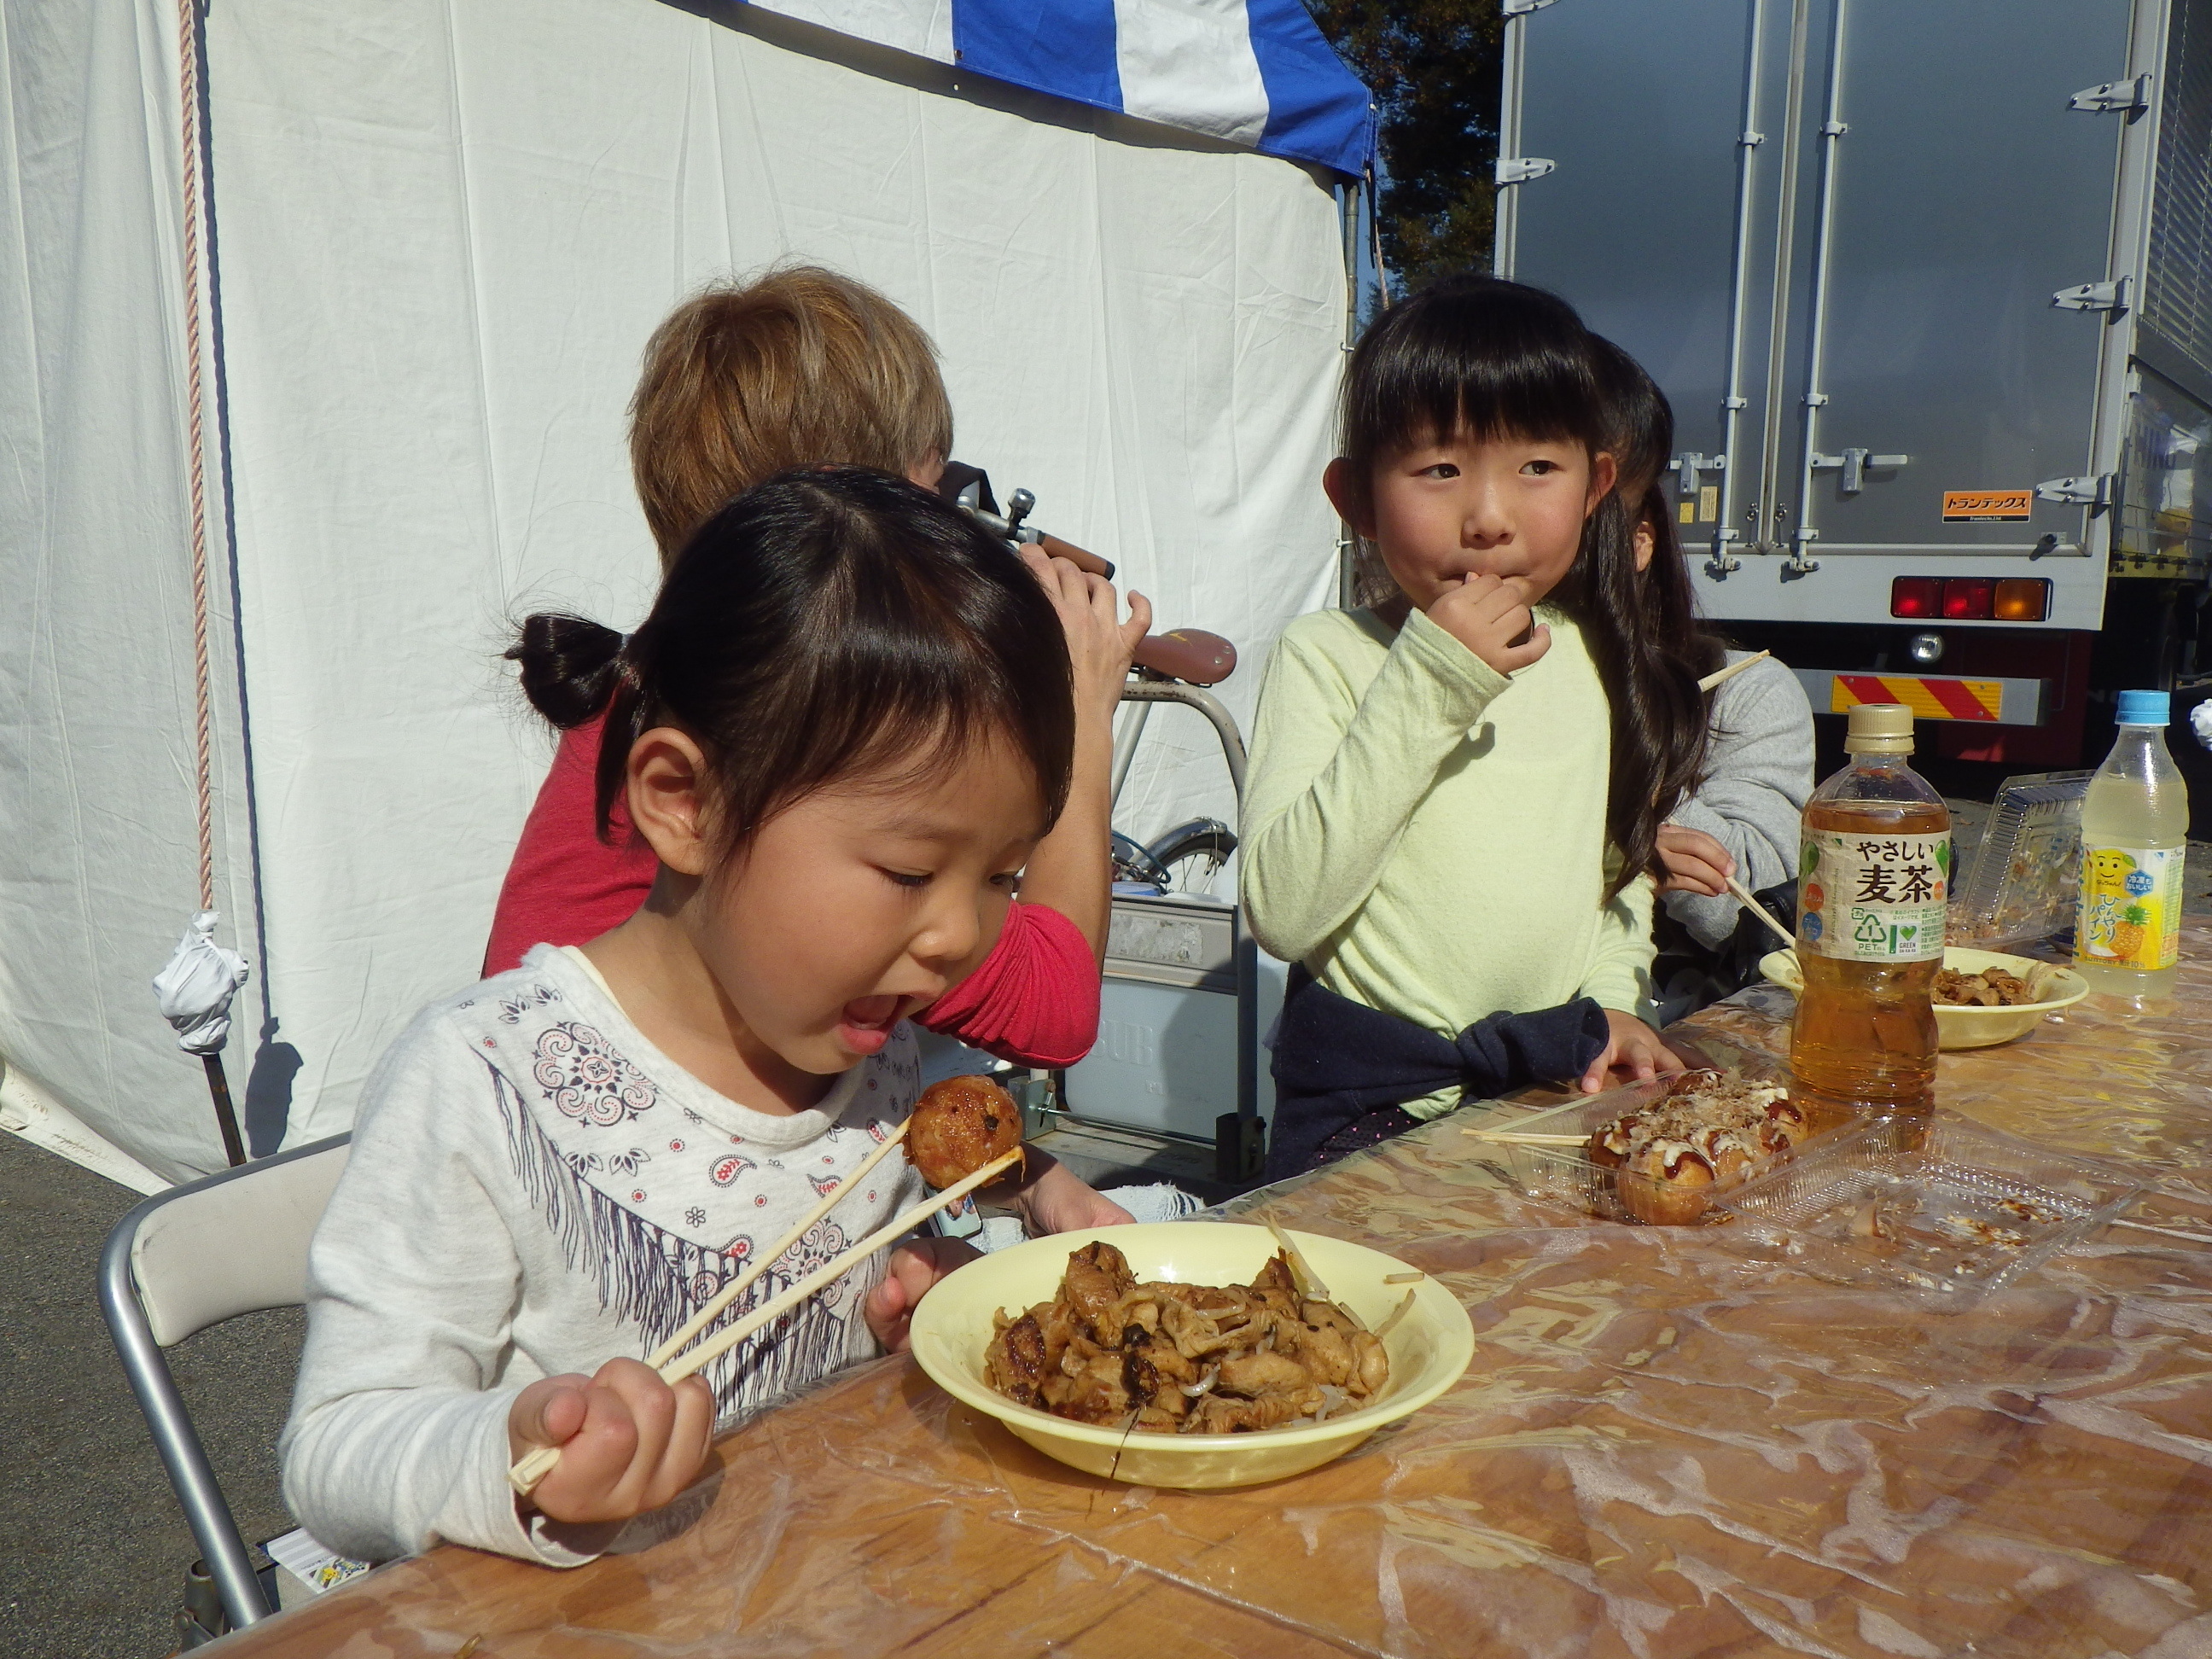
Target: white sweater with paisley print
[{"x": 535, "y": 1189}]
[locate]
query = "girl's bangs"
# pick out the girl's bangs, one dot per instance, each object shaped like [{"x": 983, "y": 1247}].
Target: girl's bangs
[
  {"x": 899, "y": 686},
  {"x": 1479, "y": 358},
  {"x": 904, "y": 737},
  {"x": 1482, "y": 388}
]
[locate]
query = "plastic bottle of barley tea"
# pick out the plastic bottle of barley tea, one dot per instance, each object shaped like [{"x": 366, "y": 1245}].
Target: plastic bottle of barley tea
[
  {"x": 1875, "y": 875},
  {"x": 2134, "y": 828}
]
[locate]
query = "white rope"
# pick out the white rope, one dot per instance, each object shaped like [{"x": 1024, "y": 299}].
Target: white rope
[{"x": 188, "y": 98}]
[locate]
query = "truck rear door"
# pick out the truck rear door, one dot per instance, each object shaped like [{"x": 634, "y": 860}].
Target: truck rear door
[{"x": 1834, "y": 231}]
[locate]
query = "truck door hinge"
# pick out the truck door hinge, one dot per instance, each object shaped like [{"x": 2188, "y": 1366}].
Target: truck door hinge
[
  {"x": 2094, "y": 492},
  {"x": 1689, "y": 465},
  {"x": 2093, "y": 296},
  {"x": 1855, "y": 463},
  {"x": 1519, "y": 169},
  {"x": 2113, "y": 97},
  {"x": 1522, "y": 8}
]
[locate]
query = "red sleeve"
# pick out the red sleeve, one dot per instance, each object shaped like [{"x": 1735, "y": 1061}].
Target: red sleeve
[
  {"x": 1034, "y": 1000},
  {"x": 566, "y": 886}
]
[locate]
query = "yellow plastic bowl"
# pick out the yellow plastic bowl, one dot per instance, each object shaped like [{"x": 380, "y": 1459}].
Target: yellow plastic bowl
[
  {"x": 1429, "y": 1348},
  {"x": 1967, "y": 1028}
]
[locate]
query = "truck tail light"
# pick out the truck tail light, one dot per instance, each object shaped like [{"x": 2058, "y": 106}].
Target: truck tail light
[
  {"x": 2023, "y": 598},
  {"x": 1970, "y": 598},
  {"x": 1916, "y": 596}
]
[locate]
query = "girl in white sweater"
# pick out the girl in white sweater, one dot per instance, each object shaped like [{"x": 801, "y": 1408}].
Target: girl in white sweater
[{"x": 844, "y": 725}]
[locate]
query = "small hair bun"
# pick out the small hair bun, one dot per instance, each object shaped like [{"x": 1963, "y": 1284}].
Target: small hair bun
[{"x": 570, "y": 666}]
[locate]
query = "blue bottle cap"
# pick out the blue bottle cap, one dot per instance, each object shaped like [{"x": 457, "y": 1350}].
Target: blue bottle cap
[{"x": 2146, "y": 709}]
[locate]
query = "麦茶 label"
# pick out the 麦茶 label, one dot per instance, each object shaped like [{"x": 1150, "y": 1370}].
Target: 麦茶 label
[{"x": 1872, "y": 897}]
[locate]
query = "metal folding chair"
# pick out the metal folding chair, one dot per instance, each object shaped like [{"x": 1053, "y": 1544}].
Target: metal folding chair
[{"x": 192, "y": 1257}]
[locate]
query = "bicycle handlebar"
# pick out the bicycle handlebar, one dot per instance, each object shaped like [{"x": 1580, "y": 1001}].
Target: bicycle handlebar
[
  {"x": 1083, "y": 560},
  {"x": 1188, "y": 654}
]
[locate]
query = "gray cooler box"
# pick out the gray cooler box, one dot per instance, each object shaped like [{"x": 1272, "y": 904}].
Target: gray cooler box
[{"x": 1166, "y": 1057}]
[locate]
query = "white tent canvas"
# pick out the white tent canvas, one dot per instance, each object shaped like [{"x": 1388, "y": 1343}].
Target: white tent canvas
[{"x": 443, "y": 233}]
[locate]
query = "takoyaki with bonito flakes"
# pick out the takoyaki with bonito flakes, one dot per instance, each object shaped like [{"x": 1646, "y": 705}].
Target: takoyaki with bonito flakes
[{"x": 1708, "y": 1133}]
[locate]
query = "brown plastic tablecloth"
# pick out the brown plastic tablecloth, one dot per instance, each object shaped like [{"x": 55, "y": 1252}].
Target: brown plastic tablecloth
[{"x": 1658, "y": 1451}]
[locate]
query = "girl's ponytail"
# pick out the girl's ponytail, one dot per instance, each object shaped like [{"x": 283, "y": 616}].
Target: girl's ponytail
[
  {"x": 574, "y": 671},
  {"x": 571, "y": 667}
]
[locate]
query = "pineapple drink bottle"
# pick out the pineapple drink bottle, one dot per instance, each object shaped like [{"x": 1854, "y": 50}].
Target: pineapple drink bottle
[
  {"x": 2135, "y": 828},
  {"x": 1875, "y": 874}
]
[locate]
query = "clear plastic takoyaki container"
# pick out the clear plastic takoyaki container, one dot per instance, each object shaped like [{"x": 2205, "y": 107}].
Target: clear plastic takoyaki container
[
  {"x": 1938, "y": 1205},
  {"x": 1565, "y": 1174}
]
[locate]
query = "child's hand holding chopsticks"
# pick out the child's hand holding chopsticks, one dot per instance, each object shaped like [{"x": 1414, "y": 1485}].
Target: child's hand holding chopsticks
[
  {"x": 628, "y": 1442},
  {"x": 1695, "y": 861}
]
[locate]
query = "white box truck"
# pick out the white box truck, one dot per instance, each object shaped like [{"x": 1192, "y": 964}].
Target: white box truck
[{"x": 1929, "y": 284}]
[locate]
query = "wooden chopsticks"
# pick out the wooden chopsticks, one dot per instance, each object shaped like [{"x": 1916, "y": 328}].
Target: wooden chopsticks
[
  {"x": 674, "y": 1363},
  {"x": 743, "y": 1282},
  {"x": 1722, "y": 676},
  {"x": 722, "y": 1341},
  {"x": 1526, "y": 1138},
  {"x": 1751, "y": 904}
]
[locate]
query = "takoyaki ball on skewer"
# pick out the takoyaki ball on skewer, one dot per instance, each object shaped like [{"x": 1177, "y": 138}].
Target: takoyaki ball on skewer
[{"x": 959, "y": 1126}]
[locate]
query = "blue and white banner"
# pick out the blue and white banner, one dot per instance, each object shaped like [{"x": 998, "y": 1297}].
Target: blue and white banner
[{"x": 1251, "y": 72}]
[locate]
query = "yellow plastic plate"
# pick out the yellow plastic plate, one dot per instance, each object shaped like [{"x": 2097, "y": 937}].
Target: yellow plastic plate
[{"x": 1429, "y": 1348}]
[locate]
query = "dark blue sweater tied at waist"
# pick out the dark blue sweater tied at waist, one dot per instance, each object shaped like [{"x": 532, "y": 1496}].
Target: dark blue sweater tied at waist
[{"x": 1343, "y": 1070}]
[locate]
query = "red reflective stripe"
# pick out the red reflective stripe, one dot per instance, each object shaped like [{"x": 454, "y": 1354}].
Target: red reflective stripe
[
  {"x": 1959, "y": 698},
  {"x": 1954, "y": 699}
]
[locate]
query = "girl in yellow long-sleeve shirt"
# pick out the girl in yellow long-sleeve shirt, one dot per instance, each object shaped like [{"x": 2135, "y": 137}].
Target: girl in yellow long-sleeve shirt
[{"x": 1454, "y": 796}]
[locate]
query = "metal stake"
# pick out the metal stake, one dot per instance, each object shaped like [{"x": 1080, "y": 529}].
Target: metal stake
[{"x": 233, "y": 1147}]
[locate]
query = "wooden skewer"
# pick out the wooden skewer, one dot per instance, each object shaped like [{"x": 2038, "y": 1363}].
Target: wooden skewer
[
  {"x": 1721, "y": 676},
  {"x": 743, "y": 1282},
  {"x": 534, "y": 1466},
  {"x": 1751, "y": 904},
  {"x": 1526, "y": 1138}
]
